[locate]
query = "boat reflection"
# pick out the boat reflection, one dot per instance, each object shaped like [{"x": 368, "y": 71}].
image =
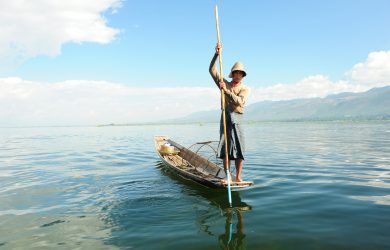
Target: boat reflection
[{"x": 233, "y": 236}]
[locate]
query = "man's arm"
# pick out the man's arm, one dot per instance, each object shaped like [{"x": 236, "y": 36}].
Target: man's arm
[
  {"x": 241, "y": 98},
  {"x": 213, "y": 70}
]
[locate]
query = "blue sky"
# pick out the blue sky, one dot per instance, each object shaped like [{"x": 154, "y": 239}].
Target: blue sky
[{"x": 168, "y": 44}]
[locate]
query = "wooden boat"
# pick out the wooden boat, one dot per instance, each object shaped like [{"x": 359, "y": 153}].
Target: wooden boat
[{"x": 190, "y": 165}]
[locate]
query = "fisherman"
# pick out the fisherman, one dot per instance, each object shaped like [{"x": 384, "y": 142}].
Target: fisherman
[{"x": 236, "y": 94}]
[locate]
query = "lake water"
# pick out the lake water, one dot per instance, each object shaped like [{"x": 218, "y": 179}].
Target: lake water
[{"x": 317, "y": 186}]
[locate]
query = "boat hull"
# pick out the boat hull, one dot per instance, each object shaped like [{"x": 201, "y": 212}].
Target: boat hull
[{"x": 192, "y": 166}]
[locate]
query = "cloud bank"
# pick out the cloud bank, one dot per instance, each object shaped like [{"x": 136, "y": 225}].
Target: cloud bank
[
  {"x": 78, "y": 102},
  {"x": 81, "y": 102},
  {"x": 375, "y": 71},
  {"x": 41, "y": 27}
]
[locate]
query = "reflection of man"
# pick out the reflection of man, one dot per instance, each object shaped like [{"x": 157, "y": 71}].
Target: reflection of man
[{"x": 230, "y": 240}]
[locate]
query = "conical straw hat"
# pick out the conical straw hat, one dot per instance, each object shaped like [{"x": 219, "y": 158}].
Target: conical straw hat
[{"x": 237, "y": 66}]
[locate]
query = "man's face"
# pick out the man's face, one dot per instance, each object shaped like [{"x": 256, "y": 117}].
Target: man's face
[{"x": 237, "y": 76}]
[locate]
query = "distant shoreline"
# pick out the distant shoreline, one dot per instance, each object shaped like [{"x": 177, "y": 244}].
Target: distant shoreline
[
  {"x": 248, "y": 122},
  {"x": 201, "y": 123}
]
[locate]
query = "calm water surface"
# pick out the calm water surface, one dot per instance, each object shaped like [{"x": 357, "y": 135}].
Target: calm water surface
[{"x": 317, "y": 186}]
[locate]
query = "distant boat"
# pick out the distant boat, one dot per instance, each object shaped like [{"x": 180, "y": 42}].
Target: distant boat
[{"x": 195, "y": 167}]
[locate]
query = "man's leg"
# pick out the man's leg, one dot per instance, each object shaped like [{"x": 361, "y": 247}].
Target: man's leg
[{"x": 239, "y": 163}]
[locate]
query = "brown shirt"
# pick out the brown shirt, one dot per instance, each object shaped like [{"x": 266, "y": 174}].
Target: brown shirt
[{"x": 235, "y": 101}]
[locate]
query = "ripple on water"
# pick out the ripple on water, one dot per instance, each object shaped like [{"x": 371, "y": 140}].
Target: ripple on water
[{"x": 317, "y": 185}]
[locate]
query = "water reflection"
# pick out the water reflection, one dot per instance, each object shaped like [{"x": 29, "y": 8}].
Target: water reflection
[
  {"x": 233, "y": 236},
  {"x": 231, "y": 239}
]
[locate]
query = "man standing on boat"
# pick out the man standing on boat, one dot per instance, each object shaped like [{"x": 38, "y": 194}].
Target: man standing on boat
[{"x": 236, "y": 95}]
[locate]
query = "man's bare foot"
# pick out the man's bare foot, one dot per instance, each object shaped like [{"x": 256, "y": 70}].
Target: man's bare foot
[
  {"x": 225, "y": 181},
  {"x": 238, "y": 180}
]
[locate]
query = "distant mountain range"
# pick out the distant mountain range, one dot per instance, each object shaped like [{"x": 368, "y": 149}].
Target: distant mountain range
[{"x": 371, "y": 105}]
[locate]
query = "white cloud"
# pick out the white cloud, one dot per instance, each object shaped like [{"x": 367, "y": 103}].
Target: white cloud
[
  {"x": 41, "y": 27},
  {"x": 95, "y": 102},
  {"x": 80, "y": 102},
  {"x": 309, "y": 87},
  {"x": 375, "y": 71}
]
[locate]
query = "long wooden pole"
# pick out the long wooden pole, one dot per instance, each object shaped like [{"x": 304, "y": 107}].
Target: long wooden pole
[{"x": 226, "y": 165}]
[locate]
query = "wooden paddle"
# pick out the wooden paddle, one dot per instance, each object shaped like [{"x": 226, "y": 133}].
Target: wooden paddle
[{"x": 226, "y": 165}]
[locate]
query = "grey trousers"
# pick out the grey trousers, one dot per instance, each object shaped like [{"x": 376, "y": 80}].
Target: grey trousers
[{"x": 235, "y": 137}]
